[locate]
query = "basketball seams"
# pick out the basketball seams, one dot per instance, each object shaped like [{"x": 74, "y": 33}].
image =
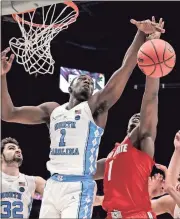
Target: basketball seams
[
  {"x": 151, "y": 60},
  {"x": 164, "y": 61},
  {"x": 159, "y": 62},
  {"x": 157, "y": 56}
]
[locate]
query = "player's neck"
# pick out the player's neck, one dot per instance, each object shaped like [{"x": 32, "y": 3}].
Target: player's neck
[
  {"x": 73, "y": 102},
  {"x": 10, "y": 169}
]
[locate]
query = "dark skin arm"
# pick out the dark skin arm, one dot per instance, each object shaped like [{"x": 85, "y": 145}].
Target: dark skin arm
[
  {"x": 145, "y": 133},
  {"x": 114, "y": 88},
  {"x": 149, "y": 116},
  {"x": 103, "y": 100},
  {"x": 100, "y": 169},
  {"x": 25, "y": 114}
]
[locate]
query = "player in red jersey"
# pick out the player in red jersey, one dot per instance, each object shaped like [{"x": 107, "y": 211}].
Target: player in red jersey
[{"x": 129, "y": 165}]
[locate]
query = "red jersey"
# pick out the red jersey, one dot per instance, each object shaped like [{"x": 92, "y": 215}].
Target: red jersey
[{"x": 126, "y": 179}]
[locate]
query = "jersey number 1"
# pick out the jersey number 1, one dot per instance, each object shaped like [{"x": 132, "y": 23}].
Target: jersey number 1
[
  {"x": 110, "y": 169},
  {"x": 63, "y": 134}
]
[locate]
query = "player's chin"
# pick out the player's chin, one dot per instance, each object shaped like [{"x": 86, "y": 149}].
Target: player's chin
[
  {"x": 85, "y": 94},
  {"x": 131, "y": 127},
  {"x": 19, "y": 160}
]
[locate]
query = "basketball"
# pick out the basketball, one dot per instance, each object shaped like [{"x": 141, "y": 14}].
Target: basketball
[{"x": 156, "y": 58}]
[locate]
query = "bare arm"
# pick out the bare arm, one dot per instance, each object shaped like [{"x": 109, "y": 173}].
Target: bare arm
[
  {"x": 25, "y": 114},
  {"x": 116, "y": 84},
  {"x": 163, "y": 205},
  {"x": 149, "y": 107},
  {"x": 100, "y": 169},
  {"x": 173, "y": 171},
  {"x": 40, "y": 184},
  {"x": 107, "y": 97},
  {"x": 174, "y": 194},
  {"x": 149, "y": 116},
  {"x": 98, "y": 200},
  {"x": 174, "y": 166}
]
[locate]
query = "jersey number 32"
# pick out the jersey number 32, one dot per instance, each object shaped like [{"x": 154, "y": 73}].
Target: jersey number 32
[{"x": 11, "y": 210}]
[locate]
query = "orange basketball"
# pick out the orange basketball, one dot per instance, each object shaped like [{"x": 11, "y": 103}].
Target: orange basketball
[{"x": 156, "y": 58}]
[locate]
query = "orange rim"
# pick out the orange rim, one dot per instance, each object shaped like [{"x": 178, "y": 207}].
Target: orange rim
[{"x": 70, "y": 4}]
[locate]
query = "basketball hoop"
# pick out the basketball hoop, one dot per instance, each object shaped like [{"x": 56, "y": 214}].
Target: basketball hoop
[{"x": 38, "y": 27}]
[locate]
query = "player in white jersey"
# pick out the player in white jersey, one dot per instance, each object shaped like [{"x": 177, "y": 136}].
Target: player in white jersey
[
  {"x": 17, "y": 189},
  {"x": 75, "y": 131},
  {"x": 171, "y": 202}
]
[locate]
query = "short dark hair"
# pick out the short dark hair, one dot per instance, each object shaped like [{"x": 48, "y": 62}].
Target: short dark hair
[
  {"x": 7, "y": 141},
  {"x": 77, "y": 78}
]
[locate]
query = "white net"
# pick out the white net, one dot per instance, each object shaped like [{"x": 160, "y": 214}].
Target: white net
[{"x": 33, "y": 49}]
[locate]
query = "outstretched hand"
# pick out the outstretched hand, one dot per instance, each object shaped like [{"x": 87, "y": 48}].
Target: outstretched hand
[
  {"x": 156, "y": 34},
  {"x": 148, "y": 26},
  {"x": 6, "y": 62}
]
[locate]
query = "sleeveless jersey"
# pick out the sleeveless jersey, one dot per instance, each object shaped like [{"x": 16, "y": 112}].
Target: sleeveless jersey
[
  {"x": 126, "y": 179},
  {"x": 75, "y": 140},
  {"x": 16, "y": 195},
  {"x": 177, "y": 212}
]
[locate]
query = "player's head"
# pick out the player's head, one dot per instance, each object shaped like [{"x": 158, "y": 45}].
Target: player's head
[
  {"x": 10, "y": 151},
  {"x": 133, "y": 122},
  {"x": 82, "y": 87}
]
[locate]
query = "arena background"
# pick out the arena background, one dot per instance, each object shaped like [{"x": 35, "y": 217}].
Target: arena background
[{"x": 97, "y": 42}]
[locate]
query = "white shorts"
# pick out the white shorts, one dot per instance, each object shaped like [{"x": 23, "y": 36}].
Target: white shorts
[{"x": 62, "y": 199}]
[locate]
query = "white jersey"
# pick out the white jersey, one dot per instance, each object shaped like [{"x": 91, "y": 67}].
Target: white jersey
[
  {"x": 75, "y": 140},
  {"x": 177, "y": 212},
  {"x": 16, "y": 195}
]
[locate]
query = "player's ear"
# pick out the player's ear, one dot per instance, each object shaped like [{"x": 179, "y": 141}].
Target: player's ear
[{"x": 70, "y": 89}]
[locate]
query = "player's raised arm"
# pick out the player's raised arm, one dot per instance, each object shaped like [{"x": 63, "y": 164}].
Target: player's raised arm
[
  {"x": 172, "y": 173},
  {"x": 149, "y": 110},
  {"x": 25, "y": 114},
  {"x": 116, "y": 84},
  {"x": 149, "y": 116}
]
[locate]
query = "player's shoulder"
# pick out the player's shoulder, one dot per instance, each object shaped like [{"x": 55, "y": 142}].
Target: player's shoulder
[
  {"x": 168, "y": 203},
  {"x": 49, "y": 106},
  {"x": 30, "y": 181}
]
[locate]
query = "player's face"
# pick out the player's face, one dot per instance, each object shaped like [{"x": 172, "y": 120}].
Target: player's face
[
  {"x": 12, "y": 153},
  {"x": 83, "y": 87},
  {"x": 133, "y": 122}
]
